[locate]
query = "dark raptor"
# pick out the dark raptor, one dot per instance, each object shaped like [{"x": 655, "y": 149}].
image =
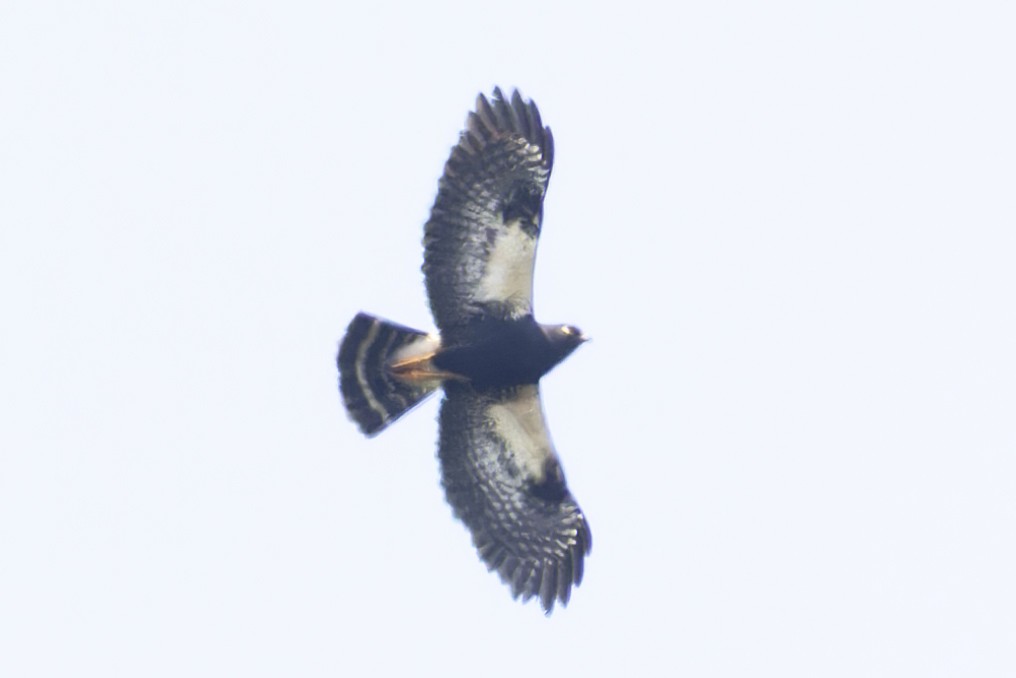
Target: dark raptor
[{"x": 499, "y": 469}]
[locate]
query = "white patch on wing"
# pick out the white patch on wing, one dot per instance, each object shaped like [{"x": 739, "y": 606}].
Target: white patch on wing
[
  {"x": 509, "y": 275},
  {"x": 519, "y": 422}
]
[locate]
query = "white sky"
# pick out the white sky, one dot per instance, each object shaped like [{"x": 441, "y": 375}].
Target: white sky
[{"x": 791, "y": 231}]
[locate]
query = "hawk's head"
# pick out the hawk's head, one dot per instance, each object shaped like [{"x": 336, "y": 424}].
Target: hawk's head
[{"x": 563, "y": 339}]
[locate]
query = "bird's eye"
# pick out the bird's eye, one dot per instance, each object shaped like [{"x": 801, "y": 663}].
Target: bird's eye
[{"x": 567, "y": 330}]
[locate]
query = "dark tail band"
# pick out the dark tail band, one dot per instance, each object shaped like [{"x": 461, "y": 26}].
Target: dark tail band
[{"x": 373, "y": 394}]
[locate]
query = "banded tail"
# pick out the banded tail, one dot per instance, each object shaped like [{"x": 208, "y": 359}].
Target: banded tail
[{"x": 384, "y": 370}]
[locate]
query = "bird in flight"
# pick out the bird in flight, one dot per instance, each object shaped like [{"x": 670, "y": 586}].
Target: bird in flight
[{"x": 499, "y": 469}]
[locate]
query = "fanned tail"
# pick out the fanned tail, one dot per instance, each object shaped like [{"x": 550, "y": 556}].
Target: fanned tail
[{"x": 383, "y": 371}]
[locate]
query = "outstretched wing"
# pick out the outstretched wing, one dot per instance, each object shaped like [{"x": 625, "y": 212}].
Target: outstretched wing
[
  {"x": 503, "y": 480},
  {"x": 480, "y": 241}
]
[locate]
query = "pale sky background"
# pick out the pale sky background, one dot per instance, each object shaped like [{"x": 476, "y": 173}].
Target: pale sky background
[{"x": 789, "y": 227}]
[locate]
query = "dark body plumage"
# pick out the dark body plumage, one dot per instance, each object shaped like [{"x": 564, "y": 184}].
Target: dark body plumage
[
  {"x": 495, "y": 352},
  {"x": 499, "y": 469}
]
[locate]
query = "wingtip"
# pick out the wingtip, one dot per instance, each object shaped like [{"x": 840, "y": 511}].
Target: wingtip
[{"x": 497, "y": 115}]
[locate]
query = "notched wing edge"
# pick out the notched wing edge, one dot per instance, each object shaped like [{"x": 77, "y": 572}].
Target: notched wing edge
[{"x": 497, "y": 117}]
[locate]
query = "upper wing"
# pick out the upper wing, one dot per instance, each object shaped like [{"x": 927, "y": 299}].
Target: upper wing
[
  {"x": 503, "y": 480},
  {"x": 480, "y": 241}
]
